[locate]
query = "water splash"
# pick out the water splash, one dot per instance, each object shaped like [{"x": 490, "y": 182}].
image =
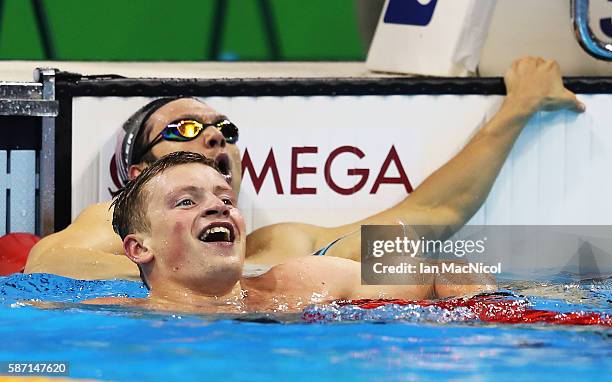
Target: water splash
[{"x": 502, "y": 307}]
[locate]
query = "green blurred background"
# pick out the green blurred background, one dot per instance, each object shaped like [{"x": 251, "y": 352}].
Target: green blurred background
[{"x": 180, "y": 30}]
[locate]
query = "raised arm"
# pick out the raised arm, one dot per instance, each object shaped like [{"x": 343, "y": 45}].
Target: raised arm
[
  {"x": 462, "y": 185},
  {"x": 452, "y": 194},
  {"x": 87, "y": 249}
]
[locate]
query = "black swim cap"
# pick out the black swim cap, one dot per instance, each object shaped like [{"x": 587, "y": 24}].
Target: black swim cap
[{"x": 125, "y": 150}]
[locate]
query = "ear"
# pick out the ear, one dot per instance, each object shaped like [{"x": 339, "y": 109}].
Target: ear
[
  {"x": 135, "y": 170},
  {"x": 135, "y": 249}
]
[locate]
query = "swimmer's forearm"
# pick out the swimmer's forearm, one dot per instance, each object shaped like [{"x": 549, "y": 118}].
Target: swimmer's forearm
[
  {"x": 455, "y": 192},
  {"x": 82, "y": 264},
  {"x": 459, "y": 188},
  {"x": 452, "y": 194}
]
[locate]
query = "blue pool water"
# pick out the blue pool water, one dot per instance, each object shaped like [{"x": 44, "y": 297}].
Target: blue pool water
[{"x": 390, "y": 343}]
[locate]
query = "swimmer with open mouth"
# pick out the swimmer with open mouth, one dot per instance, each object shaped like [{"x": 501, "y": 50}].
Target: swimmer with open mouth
[
  {"x": 180, "y": 224},
  {"x": 90, "y": 249}
]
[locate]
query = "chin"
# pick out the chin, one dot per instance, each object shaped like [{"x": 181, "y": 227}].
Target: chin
[{"x": 225, "y": 267}]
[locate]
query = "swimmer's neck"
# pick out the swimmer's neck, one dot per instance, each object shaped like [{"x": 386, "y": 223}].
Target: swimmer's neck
[{"x": 176, "y": 295}]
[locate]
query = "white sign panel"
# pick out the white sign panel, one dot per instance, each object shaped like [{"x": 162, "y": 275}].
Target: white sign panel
[{"x": 332, "y": 160}]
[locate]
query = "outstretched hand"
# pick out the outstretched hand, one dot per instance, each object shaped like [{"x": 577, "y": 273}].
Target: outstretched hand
[{"x": 536, "y": 84}]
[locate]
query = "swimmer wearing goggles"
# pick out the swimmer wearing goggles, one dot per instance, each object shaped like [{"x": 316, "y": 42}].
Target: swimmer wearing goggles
[
  {"x": 447, "y": 197},
  {"x": 188, "y": 130}
]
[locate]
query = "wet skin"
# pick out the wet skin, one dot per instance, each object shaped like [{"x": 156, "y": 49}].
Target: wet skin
[
  {"x": 90, "y": 249},
  {"x": 186, "y": 273},
  {"x": 209, "y": 143}
]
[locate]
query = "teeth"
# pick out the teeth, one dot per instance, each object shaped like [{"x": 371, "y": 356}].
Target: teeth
[
  {"x": 214, "y": 230},
  {"x": 217, "y": 229}
]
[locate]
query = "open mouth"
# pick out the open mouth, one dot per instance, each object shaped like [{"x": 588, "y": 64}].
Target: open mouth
[
  {"x": 218, "y": 233},
  {"x": 223, "y": 163}
]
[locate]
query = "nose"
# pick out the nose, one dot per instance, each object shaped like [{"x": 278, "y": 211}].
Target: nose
[
  {"x": 217, "y": 207},
  {"x": 213, "y": 138}
]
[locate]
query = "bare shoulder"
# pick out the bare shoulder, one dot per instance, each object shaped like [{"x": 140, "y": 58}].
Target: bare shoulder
[
  {"x": 91, "y": 234},
  {"x": 320, "y": 262},
  {"x": 96, "y": 213},
  {"x": 91, "y": 229},
  {"x": 278, "y": 242},
  {"x": 335, "y": 273}
]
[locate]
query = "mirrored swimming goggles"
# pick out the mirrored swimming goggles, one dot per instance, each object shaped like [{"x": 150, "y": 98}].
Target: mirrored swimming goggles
[{"x": 188, "y": 130}]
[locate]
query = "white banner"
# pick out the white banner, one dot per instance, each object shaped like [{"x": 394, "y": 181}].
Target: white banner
[{"x": 333, "y": 160}]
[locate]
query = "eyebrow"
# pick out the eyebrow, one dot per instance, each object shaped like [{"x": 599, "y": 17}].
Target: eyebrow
[
  {"x": 198, "y": 190},
  {"x": 224, "y": 188},
  {"x": 193, "y": 189}
]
